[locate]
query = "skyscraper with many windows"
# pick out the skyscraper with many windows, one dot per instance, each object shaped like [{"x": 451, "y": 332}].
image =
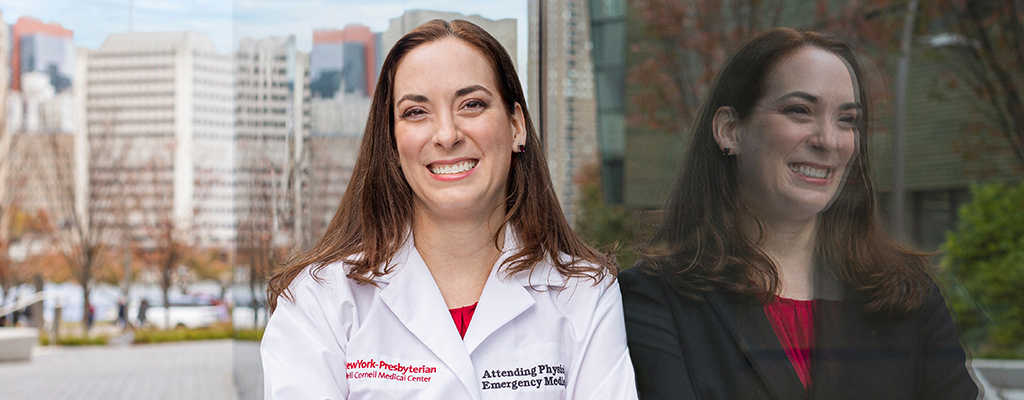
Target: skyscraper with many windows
[
  {"x": 272, "y": 124},
  {"x": 161, "y": 127},
  {"x": 42, "y": 47},
  {"x": 561, "y": 85},
  {"x": 344, "y": 59}
]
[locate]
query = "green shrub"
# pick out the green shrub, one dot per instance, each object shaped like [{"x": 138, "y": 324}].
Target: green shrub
[
  {"x": 219, "y": 331},
  {"x": 985, "y": 258},
  {"x": 44, "y": 340},
  {"x": 254, "y": 335}
]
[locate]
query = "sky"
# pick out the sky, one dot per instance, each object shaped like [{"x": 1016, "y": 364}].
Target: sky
[{"x": 227, "y": 21}]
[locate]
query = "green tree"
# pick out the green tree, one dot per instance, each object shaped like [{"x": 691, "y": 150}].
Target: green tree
[{"x": 986, "y": 257}]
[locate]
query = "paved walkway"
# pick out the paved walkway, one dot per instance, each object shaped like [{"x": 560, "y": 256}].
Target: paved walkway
[{"x": 185, "y": 370}]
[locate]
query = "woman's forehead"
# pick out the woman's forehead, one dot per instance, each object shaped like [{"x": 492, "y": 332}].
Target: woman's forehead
[
  {"x": 448, "y": 62},
  {"x": 811, "y": 70}
]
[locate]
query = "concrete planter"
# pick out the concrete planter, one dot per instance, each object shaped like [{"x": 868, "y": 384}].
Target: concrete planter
[{"x": 16, "y": 343}]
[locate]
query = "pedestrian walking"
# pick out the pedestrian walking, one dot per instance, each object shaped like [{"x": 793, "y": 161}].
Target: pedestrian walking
[
  {"x": 143, "y": 307},
  {"x": 122, "y": 312}
]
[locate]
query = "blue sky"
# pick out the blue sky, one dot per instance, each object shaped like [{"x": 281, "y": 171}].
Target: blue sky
[{"x": 226, "y": 21}]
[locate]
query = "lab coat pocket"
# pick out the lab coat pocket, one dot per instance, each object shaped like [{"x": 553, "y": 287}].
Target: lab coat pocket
[{"x": 535, "y": 371}]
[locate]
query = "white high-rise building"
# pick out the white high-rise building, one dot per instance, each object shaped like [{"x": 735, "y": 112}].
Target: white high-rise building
[
  {"x": 38, "y": 178},
  {"x": 160, "y": 122},
  {"x": 273, "y": 129},
  {"x": 504, "y": 30},
  {"x": 5, "y": 73}
]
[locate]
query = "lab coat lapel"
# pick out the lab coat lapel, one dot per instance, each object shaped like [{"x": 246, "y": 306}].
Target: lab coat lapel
[
  {"x": 501, "y": 301},
  {"x": 751, "y": 329},
  {"x": 413, "y": 296}
]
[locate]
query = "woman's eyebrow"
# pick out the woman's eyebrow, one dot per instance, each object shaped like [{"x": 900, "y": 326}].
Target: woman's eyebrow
[
  {"x": 470, "y": 89},
  {"x": 803, "y": 95},
  {"x": 419, "y": 98},
  {"x": 851, "y": 106},
  {"x": 814, "y": 99}
]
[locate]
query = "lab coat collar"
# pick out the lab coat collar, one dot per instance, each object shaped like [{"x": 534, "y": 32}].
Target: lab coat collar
[
  {"x": 502, "y": 299},
  {"x": 413, "y": 296}
]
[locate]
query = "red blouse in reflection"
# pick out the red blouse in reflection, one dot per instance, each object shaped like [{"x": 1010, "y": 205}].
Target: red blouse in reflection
[
  {"x": 462, "y": 316},
  {"x": 793, "y": 322}
]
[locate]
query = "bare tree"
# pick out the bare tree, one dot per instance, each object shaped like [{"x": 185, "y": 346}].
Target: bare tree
[
  {"x": 162, "y": 238},
  {"x": 990, "y": 35},
  {"x": 259, "y": 223},
  {"x": 5, "y": 205},
  {"x": 90, "y": 224}
]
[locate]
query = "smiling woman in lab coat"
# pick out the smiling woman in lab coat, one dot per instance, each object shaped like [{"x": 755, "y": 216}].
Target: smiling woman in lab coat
[{"x": 449, "y": 270}]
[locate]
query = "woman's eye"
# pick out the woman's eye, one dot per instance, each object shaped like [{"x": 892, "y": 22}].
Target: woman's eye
[
  {"x": 413, "y": 112},
  {"x": 798, "y": 110},
  {"x": 849, "y": 120},
  {"x": 475, "y": 105}
]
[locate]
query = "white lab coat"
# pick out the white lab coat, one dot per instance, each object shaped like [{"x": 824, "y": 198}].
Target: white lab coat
[{"x": 527, "y": 340}]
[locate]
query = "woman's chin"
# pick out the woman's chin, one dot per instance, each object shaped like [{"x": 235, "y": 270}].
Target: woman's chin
[{"x": 458, "y": 209}]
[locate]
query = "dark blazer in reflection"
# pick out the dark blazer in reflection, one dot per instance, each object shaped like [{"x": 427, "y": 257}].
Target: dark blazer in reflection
[{"x": 724, "y": 348}]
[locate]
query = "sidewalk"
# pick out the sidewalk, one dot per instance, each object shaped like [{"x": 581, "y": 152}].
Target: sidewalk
[{"x": 184, "y": 370}]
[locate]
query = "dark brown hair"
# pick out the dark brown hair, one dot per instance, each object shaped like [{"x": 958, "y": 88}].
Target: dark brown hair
[
  {"x": 376, "y": 210},
  {"x": 700, "y": 245}
]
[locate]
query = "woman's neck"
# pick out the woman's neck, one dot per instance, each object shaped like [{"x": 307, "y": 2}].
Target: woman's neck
[
  {"x": 459, "y": 253},
  {"x": 790, "y": 245}
]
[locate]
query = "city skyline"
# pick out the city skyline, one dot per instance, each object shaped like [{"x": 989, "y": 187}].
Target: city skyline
[{"x": 227, "y": 21}]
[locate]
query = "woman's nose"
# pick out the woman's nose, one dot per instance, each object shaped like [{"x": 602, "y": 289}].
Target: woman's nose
[
  {"x": 826, "y": 136},
  {"x": 448, "y": 134}
]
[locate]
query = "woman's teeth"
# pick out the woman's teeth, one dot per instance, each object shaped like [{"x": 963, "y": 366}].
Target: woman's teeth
[
  {"x": 453, "y": 169},
  {"x": 820, "y": 173}
]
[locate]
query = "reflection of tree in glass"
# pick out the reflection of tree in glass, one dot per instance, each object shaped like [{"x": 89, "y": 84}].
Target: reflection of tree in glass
[
  {"x": 989, "y": 35},
  {"x": 986, "y": 256}
]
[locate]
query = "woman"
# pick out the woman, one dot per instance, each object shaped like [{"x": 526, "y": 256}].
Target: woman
[
  {"x": 771, "y": 276},
  {"x": 449, "y": 271}
]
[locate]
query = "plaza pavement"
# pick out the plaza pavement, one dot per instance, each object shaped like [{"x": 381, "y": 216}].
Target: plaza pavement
[
  {"x": 207, "y": 369},
  {"x": 184, "y": 370}
]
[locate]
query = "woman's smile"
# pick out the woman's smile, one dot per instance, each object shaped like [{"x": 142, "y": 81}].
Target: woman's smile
[
  {"x": 452, "y": 170},
  {"x": 814, "y": 174}
]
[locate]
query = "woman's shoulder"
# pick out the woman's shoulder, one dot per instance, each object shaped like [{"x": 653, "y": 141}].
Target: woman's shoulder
[
  {"x": 583, "y": 275},
  {"x": 324, "y": 282},
  {"x": 586, "y": 286},
  {"x": 648, "y": 285},
  {"x": 643, "y": 276}
]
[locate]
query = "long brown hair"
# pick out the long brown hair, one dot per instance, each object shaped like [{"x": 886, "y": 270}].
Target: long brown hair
[
  {"x": 376, "y": 210},
  {"x": 700, "y": 246}
]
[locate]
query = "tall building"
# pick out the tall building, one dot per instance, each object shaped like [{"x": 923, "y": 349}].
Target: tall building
[
  {"x": 272, "y": 120},
  {"x": 338, "y": 126},
  {"x": 40, "y": 179},
  {"x": 5, "y": 73},
  {"x": 344, "y": 60},
  {"x": 36, "y": 143},
  {"x": 344, "y": 65},
  {"x": 160, "y": 123},
  {"x": 608, "y": 31},
  {"x": 42, "y": 47},
  {"x": 504, "y": 30},
  {"x": 331, "y": 161},
  {"x": 561, "y": 85},
  {"x": 5, "y": 144}
]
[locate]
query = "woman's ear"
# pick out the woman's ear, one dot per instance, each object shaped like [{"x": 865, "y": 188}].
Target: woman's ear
[
  {"x": 725, "y": 127},
  {"x": 518, "y": 122}
]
